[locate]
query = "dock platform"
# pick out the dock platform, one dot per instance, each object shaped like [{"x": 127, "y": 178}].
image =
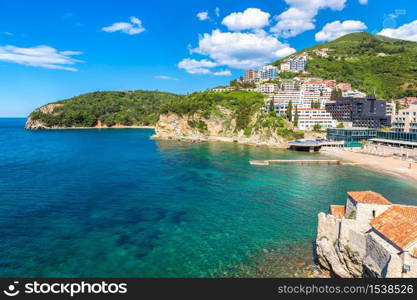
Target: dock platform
[{"x": 295, "y": 161}]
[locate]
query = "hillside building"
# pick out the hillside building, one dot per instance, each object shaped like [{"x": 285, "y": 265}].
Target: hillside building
[
  {"x": 250, "y": 75},
  {"x": 405, "y": 120}
]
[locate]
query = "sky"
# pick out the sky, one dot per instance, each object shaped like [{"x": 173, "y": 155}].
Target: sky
[{"x": 52, "y": 50}]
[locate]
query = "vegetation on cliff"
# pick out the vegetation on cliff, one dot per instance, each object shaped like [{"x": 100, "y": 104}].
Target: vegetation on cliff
[
  {"x": 246, "y": 108},
  {"x": 371, "y": 63},
  {"x": 110, "y": 108}
]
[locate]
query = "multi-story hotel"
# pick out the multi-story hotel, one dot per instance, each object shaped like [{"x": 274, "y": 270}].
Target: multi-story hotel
[
  {"x": 310, "y": 123},
  {"x": 405, "y": 120},
  {"x": 291, "y": 85},
  {"x": 267, "y": 88},
  {"x": 300, "y": 99},
  {"x": 309, "y": 117},
  {"x": 315, "y": 85},
  {"x": 360, "y": 112}
]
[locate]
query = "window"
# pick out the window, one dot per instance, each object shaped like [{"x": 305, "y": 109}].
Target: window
[{"x": 373, "y": 214}]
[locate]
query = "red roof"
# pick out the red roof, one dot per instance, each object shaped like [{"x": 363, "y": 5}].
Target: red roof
[
  {"x": 398, "y": 224},
  {"x": 368, "y": 197},
  {"x": 338, "y": 211}
]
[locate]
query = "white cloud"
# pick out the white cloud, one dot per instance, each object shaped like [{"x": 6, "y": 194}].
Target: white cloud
[
  {"x": 203, "y": 66},
  {"x": 300, "y": 16},
  {"x": 404, "y": 32},
  {"x": 39, "y": 56},
  {"x": 164, "y": 77},
  {"x": 363, "y": 2},
  {"x": 222, "y": 73},
  {"x": 333, "y": 30},
  {"x": 241, "y": 50},
  {"x": 193, "y": 66},
  {"x": 217, "y": 12},
  {"x": 134, "y": 27},
  {"x": 203, "y": 16},
  {"x": 251, "y": 18}
]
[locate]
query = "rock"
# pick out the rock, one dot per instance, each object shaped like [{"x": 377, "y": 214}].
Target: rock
[
  {"x": 37, "y": 125},
  {"x": 219, "y": 127}
]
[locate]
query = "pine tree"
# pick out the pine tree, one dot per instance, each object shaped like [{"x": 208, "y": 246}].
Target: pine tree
[
  {"x": 296, "y": 117},
  {"x": 289, "y": 111}
]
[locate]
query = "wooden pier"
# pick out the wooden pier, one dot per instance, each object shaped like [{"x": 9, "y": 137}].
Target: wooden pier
[{"x": 295, "y": 161}]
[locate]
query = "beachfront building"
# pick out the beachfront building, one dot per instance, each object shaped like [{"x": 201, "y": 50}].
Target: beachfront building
[
  {"x": 395, "y": 139},
  {"x": 380, "y": 142},
  {"x": 310, "y": 123},
  {"x": 361, "y": 112},
  {"x": 382, "y": 236},
  {"x": 353, "y": 137},
  {"x": 267, "y": 88},
  {"x": 405, "y": 120},
  {"x": 250, "y": 75},
  {"x": 310, "y": 117}
]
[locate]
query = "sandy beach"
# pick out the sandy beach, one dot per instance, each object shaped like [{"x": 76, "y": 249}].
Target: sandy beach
[{"x": 388, "y": 165}]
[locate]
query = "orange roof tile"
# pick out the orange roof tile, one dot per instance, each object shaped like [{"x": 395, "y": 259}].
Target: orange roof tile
[
  {"x": 414, "y": 252},
  {"x": 398, "y": 224},
  {"x": 368, "y": 197},
  {"x": 337, "y": 211}
]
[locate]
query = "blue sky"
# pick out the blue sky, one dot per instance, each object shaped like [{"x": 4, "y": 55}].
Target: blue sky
[{"x": 52, "y": 50}]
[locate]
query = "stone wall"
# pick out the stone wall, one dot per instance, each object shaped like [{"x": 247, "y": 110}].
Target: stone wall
[{"x": 346, "y": 249}]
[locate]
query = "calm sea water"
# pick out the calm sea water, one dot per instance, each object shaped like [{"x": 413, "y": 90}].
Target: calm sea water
[{"x": 114, "y": 203}]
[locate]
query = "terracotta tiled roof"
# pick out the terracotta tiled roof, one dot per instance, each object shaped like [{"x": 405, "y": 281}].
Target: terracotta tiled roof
[
  {"x": 414, "y": 252},
  {"x": 337, "y": 211},
  {"x": 398, "y": 224},
  {"x": 368, "y": 197}
]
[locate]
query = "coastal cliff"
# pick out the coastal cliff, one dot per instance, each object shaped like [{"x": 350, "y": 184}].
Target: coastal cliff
[
  {"x": 111, "y": 109},
  {"x": 36, "y": 124},
  {"x": 230, "y": 116},
  {"x": 219, "y": 127}
]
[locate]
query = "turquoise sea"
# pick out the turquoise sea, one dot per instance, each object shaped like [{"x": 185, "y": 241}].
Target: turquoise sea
[{"x": 113, "y": 203}]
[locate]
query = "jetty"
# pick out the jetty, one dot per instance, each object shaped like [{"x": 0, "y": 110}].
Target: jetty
[{"x": 295, "y": 161}]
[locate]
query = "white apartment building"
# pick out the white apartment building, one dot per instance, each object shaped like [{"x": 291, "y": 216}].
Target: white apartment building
[
  {"x": 285, "y": 67},
  {"x": 405, "y": 120},
  {"x": 354, "y": 94},
  {"x": 267, "y": 72},
  {"x": 312, "y": 113},
  {"x": 291, "y": 85},
  {"x": 391, "y": 109},
  {"x": 315, "y": 85},
  {"x": 309, "y": 123},
  {"x": 267, "y": 88},
  {"x": 309, "y": 117},
  {"x": 299, "y": 99}
]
